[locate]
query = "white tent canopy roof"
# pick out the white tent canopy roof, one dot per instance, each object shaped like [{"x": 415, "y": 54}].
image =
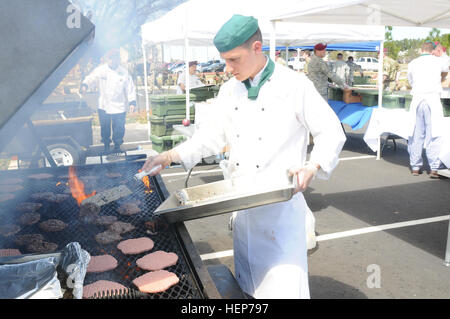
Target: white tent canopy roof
[
  {"x": 194, "y": 20},
  {"x": 419, "y": 13}
]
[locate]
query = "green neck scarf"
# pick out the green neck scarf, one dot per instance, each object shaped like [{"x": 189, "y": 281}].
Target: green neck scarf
[{"x": 253, "y": 91}]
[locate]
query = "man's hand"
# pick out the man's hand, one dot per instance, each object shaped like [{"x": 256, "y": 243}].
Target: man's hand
[
  {"x": 164, "y": 159},
  {"x": 304, "y": 176}
]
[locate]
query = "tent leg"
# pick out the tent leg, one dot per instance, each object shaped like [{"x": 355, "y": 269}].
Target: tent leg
[
  {"x": 147, "y": 108},
  {"x": 380, "y": 89}
]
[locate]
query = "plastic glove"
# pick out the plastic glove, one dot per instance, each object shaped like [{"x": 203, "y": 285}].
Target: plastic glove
[
  {"x": 304, "y": 176},
  {"x": 164, "y": 159}
]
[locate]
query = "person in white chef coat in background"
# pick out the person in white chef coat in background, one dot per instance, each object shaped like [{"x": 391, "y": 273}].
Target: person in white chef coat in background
[
  {"x": 426, "y": 125},
  {"x": 195, "y": 81},
  {"x": 117, "y": 95},
  {"x": 265, "y": 113}
]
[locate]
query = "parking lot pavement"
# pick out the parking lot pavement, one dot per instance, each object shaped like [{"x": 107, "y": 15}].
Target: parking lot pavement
[{"x": 382, "y": 231}]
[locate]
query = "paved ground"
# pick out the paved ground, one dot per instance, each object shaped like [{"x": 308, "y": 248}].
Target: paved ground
[{"x": 402, "y": 261}]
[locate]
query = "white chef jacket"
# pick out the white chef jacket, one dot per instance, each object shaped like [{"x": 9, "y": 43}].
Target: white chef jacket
[
  {"x": 424, "y": 76},
  {"x": 267, "y": 136},
  {"x": 194, "y": 82},
  {"x": 116, "y": 88}
]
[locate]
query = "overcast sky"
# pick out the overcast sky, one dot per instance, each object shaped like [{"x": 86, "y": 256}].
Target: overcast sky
[{"x": 400, "y": 33}]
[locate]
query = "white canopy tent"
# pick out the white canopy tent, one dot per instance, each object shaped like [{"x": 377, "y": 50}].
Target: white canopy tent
[
  {"x": 193, "y": 24},
  {"x": 418, "y": 13}
]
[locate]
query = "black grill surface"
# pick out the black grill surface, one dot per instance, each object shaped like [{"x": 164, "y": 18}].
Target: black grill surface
[{"x": 95, "y": 178}]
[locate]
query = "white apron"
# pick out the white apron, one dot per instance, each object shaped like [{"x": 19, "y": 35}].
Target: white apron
[{"x": 266, "y": 137}]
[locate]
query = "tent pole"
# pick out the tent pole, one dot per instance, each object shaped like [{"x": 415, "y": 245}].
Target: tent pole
[
  {"x": 187, "y": 76},
  {"x": 147, "y": 108},
  {"x": 272, "y": 40},
  {"x": 380, "y": 90}
]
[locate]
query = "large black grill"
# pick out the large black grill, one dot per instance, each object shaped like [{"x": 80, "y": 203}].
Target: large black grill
[{"x": 94, "y": 176}]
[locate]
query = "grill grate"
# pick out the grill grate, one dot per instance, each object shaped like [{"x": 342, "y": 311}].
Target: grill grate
[{"x": 95, "y": 178}]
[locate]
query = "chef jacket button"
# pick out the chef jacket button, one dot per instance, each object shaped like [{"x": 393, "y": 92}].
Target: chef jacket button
[
  {"x": 262, "y": 109},
  {"x": 237, "y": 136},
  {"x": 236, "y": 108},
  {"x": 237, "y": 164},
  {"x": 259, "y": 138},
  {"x": 257, "y": 166}
]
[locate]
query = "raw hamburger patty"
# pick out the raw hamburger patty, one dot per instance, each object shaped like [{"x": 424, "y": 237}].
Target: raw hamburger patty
[
  {"x": 107, "y": 237},
  {"x": 5, "y": 197},
  {"x": 42, "y": 196},
  {"x": 9, "y": 252},
  {"x": 9, "y": 181},
  {"x": 157, "y": 260},
  {"x": 9, "y": 230},
  {"x": 156, "y": 281},
  {"x": 29, "y": 218},
  {"x": 101, "y": 286},
  {"x": 25, "y": 240},
  {"x": 129, "y": 209},
  {"x": 40, "y": 176},
  {"x": 10, "y": 188},
  {"x": 41, "y": 246},
  {"x": 135, "y": 245},
  {"x": 121, "y": 227},
  {"x": 28, "y": 207},
  {"x": 101, "y": 263},
  {"x": 52, "y": 225}
]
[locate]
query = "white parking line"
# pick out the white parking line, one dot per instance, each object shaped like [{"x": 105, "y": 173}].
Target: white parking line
[
  {"x": 372, "y": 229},
  {"x": 354, "y": 232}
]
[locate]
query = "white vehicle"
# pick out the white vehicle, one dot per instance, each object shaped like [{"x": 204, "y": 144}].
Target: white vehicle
[
  {"x": 297, "y": 63},
  {"x": 368, "y": 63}
]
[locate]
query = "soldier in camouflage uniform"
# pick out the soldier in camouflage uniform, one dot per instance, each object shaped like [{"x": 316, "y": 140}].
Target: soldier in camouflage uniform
[
  {"x": 353, "y": 67},
  {"x": 391, "y": 70},
  {"x": 319, "y": 72}
]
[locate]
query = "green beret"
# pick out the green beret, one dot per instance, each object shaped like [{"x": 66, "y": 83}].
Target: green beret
[{"x": 235, "y": 32}]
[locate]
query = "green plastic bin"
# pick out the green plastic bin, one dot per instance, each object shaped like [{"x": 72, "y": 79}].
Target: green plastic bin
[
  {"x": 335, "y": 94},
  {"x": 171, "y": 104},
  {"x": 359, "y": 80},
  {"x": 204, "y": 93},
  {"x": 164, "y": 143},
  {"x": 393, "y": 101},
  {"x": 446, "y": 107},
  {"x": 163, "y": 125},
  {"x": 368, "y": 97}
]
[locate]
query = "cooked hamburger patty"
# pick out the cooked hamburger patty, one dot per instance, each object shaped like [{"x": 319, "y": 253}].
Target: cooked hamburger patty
[
  {"x": 9, "y": 181},
  {"x": 104, "y": 220},
  {"x": 156, "y": 281},
  {"x": 89, "y": 210},
  {"x": 26, "y": 239},
  {"x": 129, "y": 209},
  {"x": 41, "y": 246},
  {"x": 9, "y": 252},
  {"x": 29, "y": 218},
  {"x": 121, "y": 227},
  {"x": 52, "y": 225},
  {"x": 5, "y": 197},
  {"x": 101, "y": 263},
  {"x": 10, "y": 188},
  {"x": 9, "y": 230},
  {"x": 135, "y": 245},
  {"x": 101, "y": 286},
  {"x": 113, "y": 175},
  {"x": 40, "y": 176},
  {"x": 157, "y": 260},
  {"x": 28, "y": 207},
  {"x": 108, "y": 237}
]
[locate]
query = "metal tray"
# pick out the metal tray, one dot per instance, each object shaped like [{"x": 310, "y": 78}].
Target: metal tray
[{"x": 219, "y": 198}]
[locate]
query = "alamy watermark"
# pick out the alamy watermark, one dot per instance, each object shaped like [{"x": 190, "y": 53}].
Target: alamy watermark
[
  {"x": 374, "y": 279},
  {"x": 74, "y": 18}
]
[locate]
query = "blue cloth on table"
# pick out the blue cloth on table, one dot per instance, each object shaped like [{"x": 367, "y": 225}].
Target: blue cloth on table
[{"x": 355, "y": 115}]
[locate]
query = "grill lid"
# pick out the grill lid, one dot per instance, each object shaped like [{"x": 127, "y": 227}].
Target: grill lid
[{"x": 42, "y": 41}]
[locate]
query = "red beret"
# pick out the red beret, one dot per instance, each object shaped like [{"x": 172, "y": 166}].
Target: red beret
[
  {"x": 320, "y": 46},
  {"x": 192, "y": 63}
]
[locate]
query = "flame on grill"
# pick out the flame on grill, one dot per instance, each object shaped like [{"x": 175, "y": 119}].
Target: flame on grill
[
  {"x": 146, "y": 181},
  {"x": 77, "y": 187}
]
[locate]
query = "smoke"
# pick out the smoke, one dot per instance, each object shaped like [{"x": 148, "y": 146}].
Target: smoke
[{"x": 118, "y": 22}]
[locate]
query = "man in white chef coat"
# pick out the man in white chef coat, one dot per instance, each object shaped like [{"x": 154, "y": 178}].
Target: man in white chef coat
[
  {"x": 194, "y": 80},
  {"x": 117, "y": 95},
  {"x": 265, "y": 113},
  {"x": 426, "y": 125}
]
